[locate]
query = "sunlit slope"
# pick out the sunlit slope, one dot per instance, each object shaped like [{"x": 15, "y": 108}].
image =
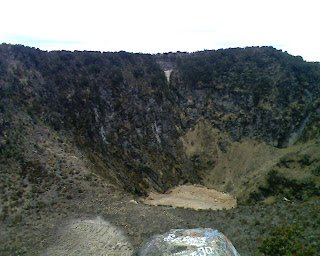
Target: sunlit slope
[{"x": 242, "y": 167}]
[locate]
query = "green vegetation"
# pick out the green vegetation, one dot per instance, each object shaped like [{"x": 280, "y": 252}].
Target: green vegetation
[
  {"x": 288, "y": 240},
  {"x": 267, "y": 93},
  {"x": 278, "y": 185},
  {"x": 316, "y": 171},
  {"x": 76, "y": 127}
]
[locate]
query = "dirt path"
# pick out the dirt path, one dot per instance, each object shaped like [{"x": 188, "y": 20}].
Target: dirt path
[
  {"x": 90, "y": 237},
  {"x": 194, "y": 197}
]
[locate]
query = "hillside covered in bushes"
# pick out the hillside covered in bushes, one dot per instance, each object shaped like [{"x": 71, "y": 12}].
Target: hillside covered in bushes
[{"x": 243, "y": 121}]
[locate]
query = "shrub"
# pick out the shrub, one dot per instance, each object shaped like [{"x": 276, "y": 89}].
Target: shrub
[
  {"x": 305, "y": 161},
  {"x": 277, "y": 184},
  {"x": 316, "y": 171},
  {"x": 287, "y": 240}
]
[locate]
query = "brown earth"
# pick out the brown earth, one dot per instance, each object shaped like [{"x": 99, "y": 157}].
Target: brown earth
[
  {"x": 90, "y": 237},
  {"x": 73, "y": 224},
  {"x": 50, "y": 217},
  {"x": 192, "y": 196}
]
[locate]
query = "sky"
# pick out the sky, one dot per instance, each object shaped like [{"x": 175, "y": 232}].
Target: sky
[{"x": 153, "y": 26}]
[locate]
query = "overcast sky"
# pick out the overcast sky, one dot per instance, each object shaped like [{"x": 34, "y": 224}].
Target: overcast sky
[{"x": 152, "y": 26}]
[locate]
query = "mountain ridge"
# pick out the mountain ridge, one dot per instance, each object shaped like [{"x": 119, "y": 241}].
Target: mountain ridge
[
  {"x": 82, "y": 134},
  {"x": 123, "y": 112}
]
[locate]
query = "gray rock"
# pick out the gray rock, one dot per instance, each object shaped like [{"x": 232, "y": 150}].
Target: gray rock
[{"x": 200, "y": 242}]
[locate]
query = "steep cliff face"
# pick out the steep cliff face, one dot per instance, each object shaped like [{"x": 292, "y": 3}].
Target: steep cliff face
[
  {"x": 137, "y": 129},
  {"x": 252, "y": 92},
  {"x": 117, "y": 105},
  {"x": 241, "y": 110}
]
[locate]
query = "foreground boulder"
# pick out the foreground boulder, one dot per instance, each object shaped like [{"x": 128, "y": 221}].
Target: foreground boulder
[{"x": 191, "y": 242}]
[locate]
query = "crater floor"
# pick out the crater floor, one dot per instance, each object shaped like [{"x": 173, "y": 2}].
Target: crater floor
[{"x": 193, "y": 196}]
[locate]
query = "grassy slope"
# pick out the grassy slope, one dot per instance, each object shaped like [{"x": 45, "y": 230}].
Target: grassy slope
[{"x": 241, "y": 167}]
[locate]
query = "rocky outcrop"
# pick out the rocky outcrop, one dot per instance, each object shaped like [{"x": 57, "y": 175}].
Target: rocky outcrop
[{"x": 204, "y": 241}]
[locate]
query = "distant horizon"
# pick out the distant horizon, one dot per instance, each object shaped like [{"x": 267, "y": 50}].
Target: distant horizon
[
  {"x": 144, "y": 26},
  {"x": 155, "y": 53}
]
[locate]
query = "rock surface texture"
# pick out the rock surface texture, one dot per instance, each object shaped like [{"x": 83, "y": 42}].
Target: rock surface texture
[{"x": 191, "y": 242}]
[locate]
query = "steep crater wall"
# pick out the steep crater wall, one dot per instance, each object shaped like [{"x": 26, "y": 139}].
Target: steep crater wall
[{"x": 134, "y": 125}]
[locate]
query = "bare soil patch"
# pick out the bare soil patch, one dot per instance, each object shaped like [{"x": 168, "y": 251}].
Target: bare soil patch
[
  {"x": 168, "y": 73},
  {"x": 193, "y": 196},
  {"x": 90, "y": 237}
]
